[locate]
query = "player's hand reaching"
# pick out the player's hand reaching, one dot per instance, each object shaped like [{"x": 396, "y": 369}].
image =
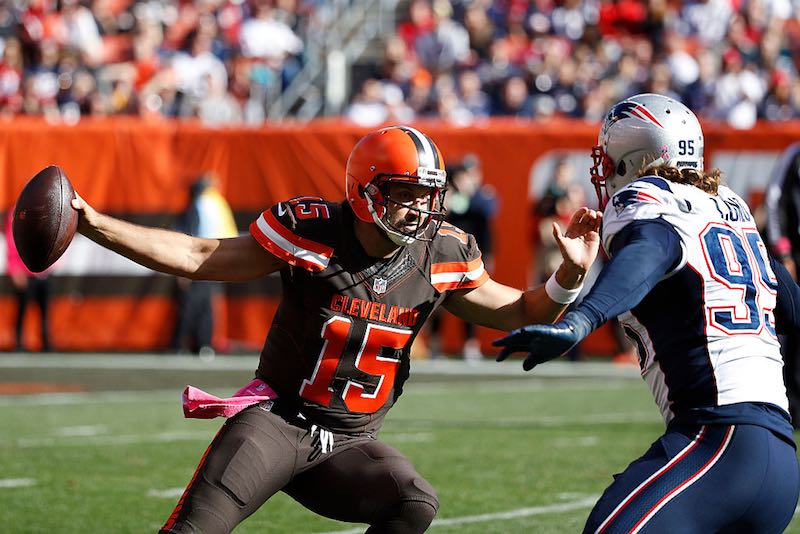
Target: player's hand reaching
[
  {"x": 579, "y": 243},
  {"x": 543, "y": 342}
]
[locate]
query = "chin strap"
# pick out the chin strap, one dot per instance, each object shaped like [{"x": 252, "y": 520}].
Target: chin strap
[{"x": 395, "y": 237}]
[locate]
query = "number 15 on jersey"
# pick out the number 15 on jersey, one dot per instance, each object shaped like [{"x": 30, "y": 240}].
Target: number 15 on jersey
[{"x": 359, "y": 397}]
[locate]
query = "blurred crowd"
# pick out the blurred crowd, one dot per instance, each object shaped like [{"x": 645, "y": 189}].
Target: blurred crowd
[
  {"x": 729, "y": 60},
  {"x": 462, "y": 60},
  {"x": 220, "y": 60}
]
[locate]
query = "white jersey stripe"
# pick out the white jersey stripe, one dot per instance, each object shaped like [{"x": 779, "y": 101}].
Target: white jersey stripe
[{"x": 300, "y": 253}]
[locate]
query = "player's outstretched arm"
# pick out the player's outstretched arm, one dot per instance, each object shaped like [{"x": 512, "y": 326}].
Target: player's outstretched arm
[
  {"x": 235, "y": 259},
  {"x": 505, "y": 308},
  {"x": 543, "y": 342}
]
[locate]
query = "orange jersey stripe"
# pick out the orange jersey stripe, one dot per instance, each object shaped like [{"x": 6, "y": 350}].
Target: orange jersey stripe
[{"x": 456, "y": 266}]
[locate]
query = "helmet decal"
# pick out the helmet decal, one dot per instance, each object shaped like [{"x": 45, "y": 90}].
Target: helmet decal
[{"x": 632, "y": 110}]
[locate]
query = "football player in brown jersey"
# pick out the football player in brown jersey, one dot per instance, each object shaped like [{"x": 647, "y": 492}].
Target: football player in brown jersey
[{"x": 360, "y": 277}]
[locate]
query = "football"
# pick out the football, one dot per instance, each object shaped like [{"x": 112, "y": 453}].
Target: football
[{"x": 44, "y": 219}]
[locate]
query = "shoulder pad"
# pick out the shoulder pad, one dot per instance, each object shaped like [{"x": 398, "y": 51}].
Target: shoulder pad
[
  {"x": 301, "y": 231},
  {"x": 456, "y": 261},
  {"x": 649, "y": 197}
]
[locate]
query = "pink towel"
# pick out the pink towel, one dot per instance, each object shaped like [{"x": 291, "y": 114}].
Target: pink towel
[{"x": 197, "y": 404}]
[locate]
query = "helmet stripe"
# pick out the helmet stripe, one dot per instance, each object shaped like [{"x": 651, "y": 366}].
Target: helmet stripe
[
  {"x": 426, "y": 151},
  {"x": 644, "y": 111}
]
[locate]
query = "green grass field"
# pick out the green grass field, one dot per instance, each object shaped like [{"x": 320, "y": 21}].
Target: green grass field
[{"x": 508, "y": 452}]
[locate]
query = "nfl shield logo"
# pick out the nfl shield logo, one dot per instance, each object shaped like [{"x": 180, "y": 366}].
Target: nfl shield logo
[{"x": 379, "y": 285}]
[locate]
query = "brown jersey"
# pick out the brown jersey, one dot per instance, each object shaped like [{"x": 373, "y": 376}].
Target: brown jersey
[{"x": 340, "y": 341}]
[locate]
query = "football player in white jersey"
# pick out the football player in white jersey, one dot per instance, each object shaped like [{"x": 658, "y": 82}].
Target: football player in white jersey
[{"x": 695, "y": 289}]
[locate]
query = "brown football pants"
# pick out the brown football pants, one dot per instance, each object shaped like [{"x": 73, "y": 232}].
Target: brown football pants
[{"x": 258, "y": 453}]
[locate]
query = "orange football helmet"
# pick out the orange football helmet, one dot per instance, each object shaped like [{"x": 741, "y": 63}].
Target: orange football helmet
[{"x": 396, "y": 154}]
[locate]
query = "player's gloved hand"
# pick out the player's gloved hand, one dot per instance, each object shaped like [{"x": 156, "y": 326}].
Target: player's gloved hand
[{"x": 543, "y": 342}]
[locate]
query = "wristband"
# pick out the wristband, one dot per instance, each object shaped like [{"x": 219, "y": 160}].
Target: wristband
[{"x": 558, "y": 293}]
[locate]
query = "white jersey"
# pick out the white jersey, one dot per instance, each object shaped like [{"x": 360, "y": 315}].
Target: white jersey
[{"x": 706, "y": 332}]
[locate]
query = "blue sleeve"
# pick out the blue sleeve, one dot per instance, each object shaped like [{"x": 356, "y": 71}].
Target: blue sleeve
[
  {"x": 641, "y": 254},
  {"x": 787, "y": 309}
]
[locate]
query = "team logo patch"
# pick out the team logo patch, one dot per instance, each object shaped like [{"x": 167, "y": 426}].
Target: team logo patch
[
  {"x": 379, "y": 285},
  {"x": 632, "y": 110},
  {"x": 629, "y": 197}
]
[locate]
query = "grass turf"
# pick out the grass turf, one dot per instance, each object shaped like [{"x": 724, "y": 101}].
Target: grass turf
[{"x": 511, "y": 454}]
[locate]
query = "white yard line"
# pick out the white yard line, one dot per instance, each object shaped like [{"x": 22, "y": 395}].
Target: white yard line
[
  {"x": 91, "y": 397},
  {"x": 499, "y": 516},
  {"x": 147, "y": 362},
  {"x": 155, "y": 362},
  {"x": 171, "y": 395},
  {"x": 81, "y": 431},
  {"x": 407, "y": 437},
  {"x": 517, "y": 385},
  {"x": 581, "y": 441},
  {"x": 80, "y": 441},
  {"x": 171, "y": 493},
  {"x": 17, "y": 482},
  {"x": 588, "y": 419}
]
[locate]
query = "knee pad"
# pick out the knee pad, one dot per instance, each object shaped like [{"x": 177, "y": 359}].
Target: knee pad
[
  {"x": 411, "y": 510},
  {"x": 417, "y": 515},
  {"x": 405, "y": 517},
  {"x": 420, "y": 490}
]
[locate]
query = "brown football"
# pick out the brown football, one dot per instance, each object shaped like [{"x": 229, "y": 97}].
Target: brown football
[{"x": 44, "y": 219}]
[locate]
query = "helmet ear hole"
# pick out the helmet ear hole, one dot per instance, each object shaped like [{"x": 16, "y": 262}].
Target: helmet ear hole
[{"x": 622, "y": 168}]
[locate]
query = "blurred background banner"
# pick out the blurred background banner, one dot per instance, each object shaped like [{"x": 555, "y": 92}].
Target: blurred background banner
[{"x": 141, "y": 171}]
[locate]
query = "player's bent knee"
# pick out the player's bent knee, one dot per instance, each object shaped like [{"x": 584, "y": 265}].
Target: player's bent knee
[
  {"x": 413, "y": 512},
  {"x": 418, "y": 515},
  {"x": 405, "y": 517},
  {"x": 420, "y": 490}
]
